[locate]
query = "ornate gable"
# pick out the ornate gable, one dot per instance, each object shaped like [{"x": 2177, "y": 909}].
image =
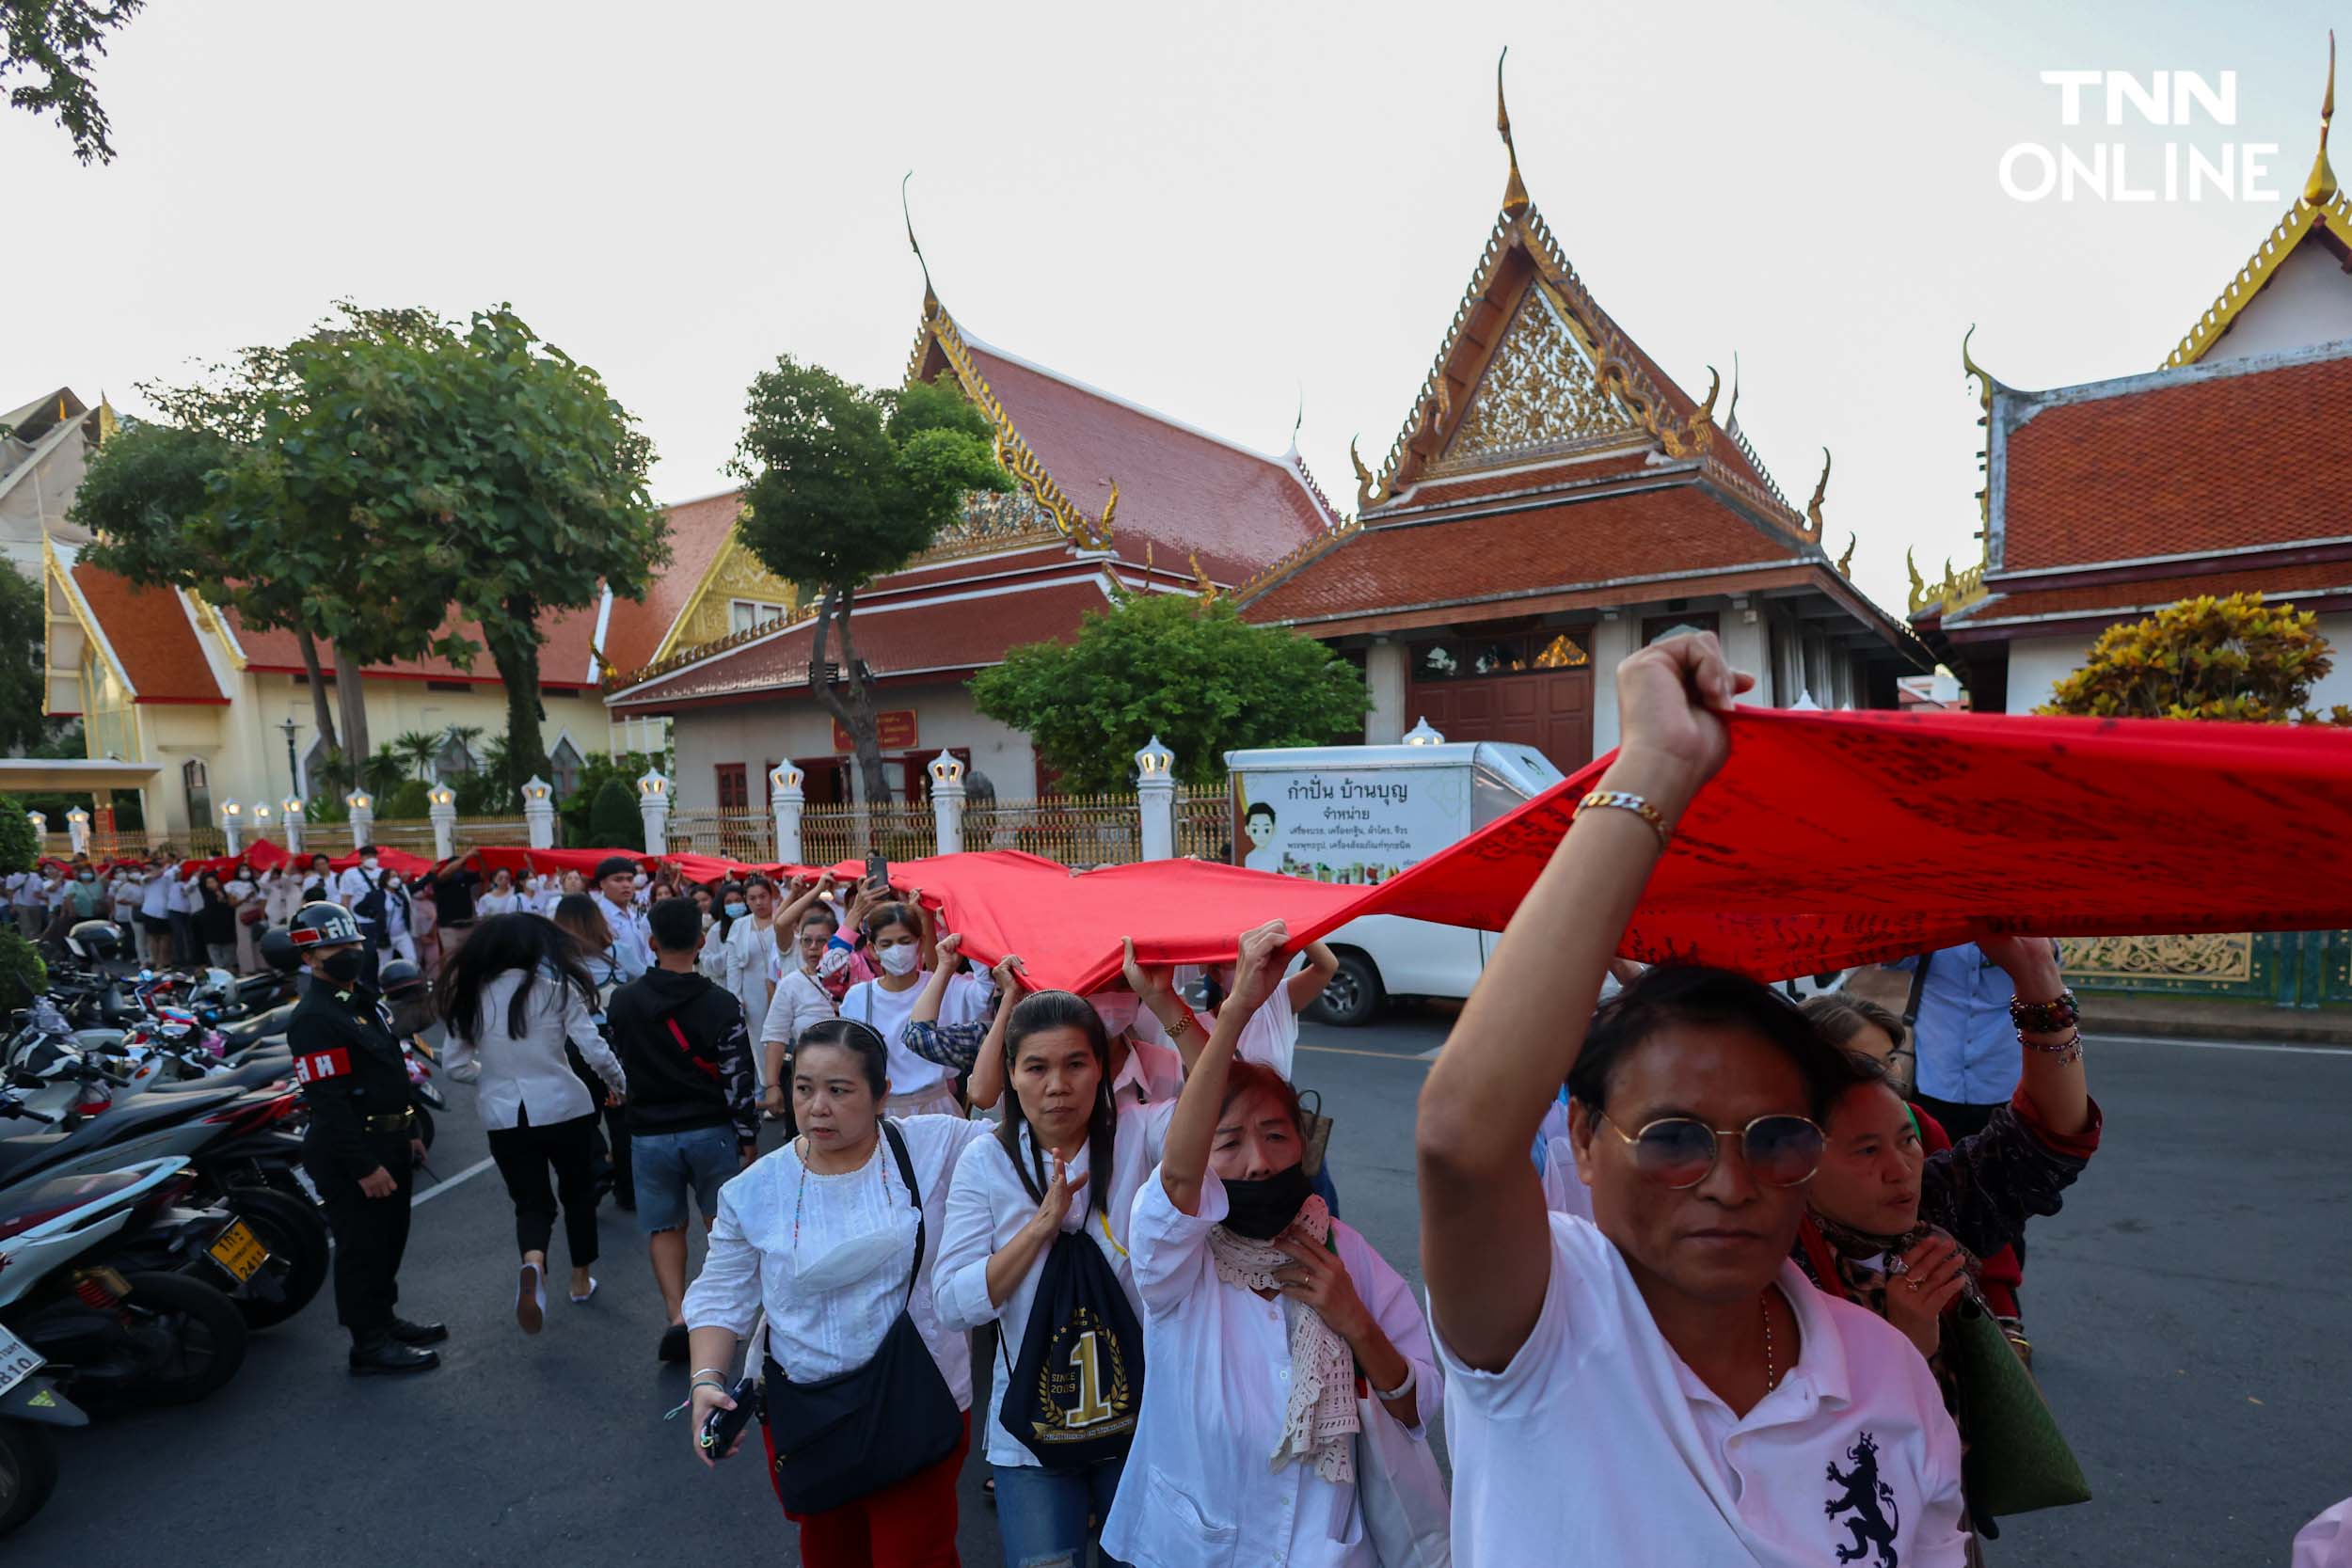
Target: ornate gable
[
  {"x": 735, "y": 574},
  {"x": 1541, "y": 393}
]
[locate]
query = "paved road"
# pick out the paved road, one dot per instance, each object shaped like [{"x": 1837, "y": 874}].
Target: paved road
[{"x": 2188, "y": 1308}]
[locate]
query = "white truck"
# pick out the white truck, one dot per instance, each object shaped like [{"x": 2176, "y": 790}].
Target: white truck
[{"x": 1360, "y": 815}]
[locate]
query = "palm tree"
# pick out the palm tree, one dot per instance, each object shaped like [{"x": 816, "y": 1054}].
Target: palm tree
[
  {"x": 382, "y": 773},
  {"x": 463, "y": 736},
  {"x": 415, "y": 750}
]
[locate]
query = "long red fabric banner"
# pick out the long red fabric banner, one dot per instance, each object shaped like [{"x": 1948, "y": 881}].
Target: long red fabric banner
[{"x": 1828, "y": 840}]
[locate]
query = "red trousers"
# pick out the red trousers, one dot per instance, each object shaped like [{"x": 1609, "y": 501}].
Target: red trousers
[{"x": 911, "y": 1525}]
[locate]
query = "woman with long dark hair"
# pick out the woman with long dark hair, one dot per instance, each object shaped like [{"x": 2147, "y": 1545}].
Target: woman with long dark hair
[
  {"x": 516, "y": 995},
  {"x": 1035, "y": 1243},
  {"x": 577, "y": 917}
]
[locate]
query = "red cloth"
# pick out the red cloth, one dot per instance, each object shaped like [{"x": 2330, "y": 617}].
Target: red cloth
[
  {"x": 1828, "y": 840},
  {"x": 264, "y": 855}
]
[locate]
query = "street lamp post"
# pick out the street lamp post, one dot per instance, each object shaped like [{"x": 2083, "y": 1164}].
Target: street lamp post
[
  {"x": 294, "y": 768},
  {"x": 441, "y": 808}
]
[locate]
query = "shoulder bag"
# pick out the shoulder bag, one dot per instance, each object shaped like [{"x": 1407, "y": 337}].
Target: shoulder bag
[
  {"x": 2017, "y": 1460},
  {"x": 852, "y": 1435},
  {"x": 1073, "y": 1397}
]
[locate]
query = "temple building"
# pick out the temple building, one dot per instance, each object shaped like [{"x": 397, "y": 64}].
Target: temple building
[
  {"x": 1554, "y": 502},
  {"x": 43, "y": 448},
  {"x": 2220, "y": 473},
  {"x": 1109, "y": 497}
]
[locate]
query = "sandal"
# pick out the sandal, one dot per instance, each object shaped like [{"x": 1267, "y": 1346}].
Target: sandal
[{"x": 530, "y": 1299}]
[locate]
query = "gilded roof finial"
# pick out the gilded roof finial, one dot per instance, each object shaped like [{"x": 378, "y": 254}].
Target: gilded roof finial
[
  {"x": 1514, "y": 194},
  {"x": 2322, "y": 184},
  {"x": 1813, "y": 507},
  {"x": 1364, "y": 480},
  {"x": 1969, "y": 367},
  {"x": 1299, "y": 421},
  {"x": 1103, "y": 529},
  {"x": 1845, "y": 562},
  {"x": 1705, "y": 414},
  {"x": 1731, "y": 414},
  {"x": 930, "y": 299},
  {"x": 1918, "y": 584}
]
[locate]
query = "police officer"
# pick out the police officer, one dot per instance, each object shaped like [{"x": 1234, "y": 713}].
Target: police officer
[{"x": 362, "y": 1147}]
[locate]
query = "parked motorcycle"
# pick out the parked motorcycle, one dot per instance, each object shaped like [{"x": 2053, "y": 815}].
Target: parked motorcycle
[
  {"x": 29, "y": 1402},
  {"x": 110, "y": 1336}
]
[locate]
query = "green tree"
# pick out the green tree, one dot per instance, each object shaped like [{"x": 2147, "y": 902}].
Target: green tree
[
  {"x": 415, "y": 749},
  {"x": 23, "y": 725},
  {"x": 843, "y": 483},
  {"x": 1194, "y": 673},
  {"x": 60, "y": 41},
  {"x": 2236, "y": 659},
  {"x": 22, "y": 974},
  {"x": 613, "y": 819}
]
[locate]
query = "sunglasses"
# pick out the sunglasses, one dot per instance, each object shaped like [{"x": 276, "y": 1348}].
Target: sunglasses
[{"x": 1679, "y": 1152}]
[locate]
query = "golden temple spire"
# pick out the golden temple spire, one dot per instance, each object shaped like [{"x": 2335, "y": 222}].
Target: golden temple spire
[
  {"x": 1514, "y": 194},
  {"x": 1845, "y": 562},
  {"x": 1813, "y": 507},
  {"x": 1731, "y": 414},
  {"x": 2321, "y": 186},
  {"x": 930, "y": 299},
  {"x": 1364, "y": 481}
]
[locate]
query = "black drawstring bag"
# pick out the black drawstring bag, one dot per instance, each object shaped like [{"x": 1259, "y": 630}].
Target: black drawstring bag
[
  {"x": 851, "y": 1434},
  {"x": 1073, "y": 1397}
]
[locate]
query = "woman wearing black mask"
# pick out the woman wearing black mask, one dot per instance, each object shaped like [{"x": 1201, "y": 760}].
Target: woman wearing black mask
[{"x": 1265, "y": 1314}]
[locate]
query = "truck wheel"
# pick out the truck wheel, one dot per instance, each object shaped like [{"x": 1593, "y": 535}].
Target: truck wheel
[{"x": 1353, "y": 995}]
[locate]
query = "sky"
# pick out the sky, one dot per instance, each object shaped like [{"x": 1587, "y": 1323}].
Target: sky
[{"x": 1227, "y": 213}]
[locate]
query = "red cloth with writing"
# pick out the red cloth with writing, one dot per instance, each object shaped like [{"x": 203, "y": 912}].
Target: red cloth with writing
[{"x": 1827, "y": 840}]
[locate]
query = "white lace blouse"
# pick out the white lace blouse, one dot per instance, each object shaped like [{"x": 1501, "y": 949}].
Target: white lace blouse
[{"x": 828, "y": 1256}]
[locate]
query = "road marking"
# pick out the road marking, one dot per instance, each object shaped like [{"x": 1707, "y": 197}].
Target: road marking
[
  {"x": 1383, "y": 1055},
  {"x": 2224, "y": 1045},
  {"x": 439, "y": 1187}
]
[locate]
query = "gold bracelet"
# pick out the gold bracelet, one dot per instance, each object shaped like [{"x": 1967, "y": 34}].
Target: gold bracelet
[{"x": 1620, "y": 801}]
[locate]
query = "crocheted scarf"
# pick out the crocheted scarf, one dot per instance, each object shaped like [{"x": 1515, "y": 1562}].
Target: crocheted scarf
[{"x": 1321, "y": 1420}]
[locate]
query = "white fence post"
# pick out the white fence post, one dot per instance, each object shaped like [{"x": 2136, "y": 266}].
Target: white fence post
[
  {"x": 363, "y": 807},
  {"x": 77, "y": 830},
  {"x": 947, "y": 802},
  {"x": 653, "y": 802},
  {"x": 786, "y": 798},
  {"x": 539, "y": 813},
  {"x": 293, "y": 807},
  {"x": 441, "y": 811},
  {"x": 1155, "y": 797},
  {"x": 232, "y": 827}
]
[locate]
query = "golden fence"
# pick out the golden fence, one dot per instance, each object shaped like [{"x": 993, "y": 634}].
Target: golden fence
[
  {"x": 735, "y": 836},
  {"x": 896, "y": 831},
  {"x": 1204, "y": 823},
  {"x": 1076, "y": 830}
]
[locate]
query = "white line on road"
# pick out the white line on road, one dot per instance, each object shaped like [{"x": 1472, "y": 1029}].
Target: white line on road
[
  {"x": 2223, "y": 1045},
  {"x": 444, "y": 1185}
]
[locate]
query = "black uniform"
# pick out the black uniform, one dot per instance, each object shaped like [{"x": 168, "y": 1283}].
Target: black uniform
[{"x": 355, "y": 1083}]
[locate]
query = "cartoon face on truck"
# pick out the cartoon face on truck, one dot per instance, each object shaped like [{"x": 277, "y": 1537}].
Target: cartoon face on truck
[{"x": 1258, "y": 827}]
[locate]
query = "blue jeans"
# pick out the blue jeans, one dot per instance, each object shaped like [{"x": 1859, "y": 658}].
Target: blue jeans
[
  {"x": 1042, "y": 1516},
  {"x": 666, "y": 1165}
]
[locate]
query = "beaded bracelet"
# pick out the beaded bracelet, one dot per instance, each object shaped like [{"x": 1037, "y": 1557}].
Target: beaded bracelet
[
  {"x": 2045, "y": 1017},
  {"x": 2068, "y": 1051}
]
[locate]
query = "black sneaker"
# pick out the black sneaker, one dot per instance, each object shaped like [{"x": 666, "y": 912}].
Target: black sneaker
[
  {"x": 418, "y": 1334},
  {"x": 387, "y": 1355},
  {"x": 673, "y": 1342}
]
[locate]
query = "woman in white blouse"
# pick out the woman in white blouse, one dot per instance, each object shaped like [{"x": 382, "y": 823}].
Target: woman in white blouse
[
  {"x": 500, "y": 899},
  {"x": 900, "y": 942},
  {"x": 823, "y": 1233},
  {"x": 513, "y": 996},
  {"x": 1261, "y": 1317},
  {"x": 1068, "y": 1161}
]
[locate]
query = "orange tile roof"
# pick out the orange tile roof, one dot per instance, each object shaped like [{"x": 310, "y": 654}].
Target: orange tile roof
[
  {"x": 894, "y": 637},
  {"x": 153, "y": 639},
  {"x": 564, "y": 657},
  {"x": 1180, "y": 488},
  {"x": 2174, "y": 463},
  {"x": 1464, "y": 559},
  {"x": 697, "y": 530},
  {"x": 2144, "y": 595}
]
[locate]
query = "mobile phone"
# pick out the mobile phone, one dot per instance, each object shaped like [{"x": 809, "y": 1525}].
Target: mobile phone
[
  {"x": 723, "y": 1427},
  {"x": 878, "y": 870}
]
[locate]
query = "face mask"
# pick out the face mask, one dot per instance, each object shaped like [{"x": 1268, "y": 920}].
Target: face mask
[
  {"x": 85, "y": 877},
  {"x": 737, "y": 911},
  {"x": 343, "y": 965},
  {"x": 899, "y": 959},
  {"x": 1260, "y": 1209},
  {"x": 1116, "y": 1008}
]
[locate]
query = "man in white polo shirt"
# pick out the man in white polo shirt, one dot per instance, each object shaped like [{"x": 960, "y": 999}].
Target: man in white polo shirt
[{"x": 1657, "y": 1384}]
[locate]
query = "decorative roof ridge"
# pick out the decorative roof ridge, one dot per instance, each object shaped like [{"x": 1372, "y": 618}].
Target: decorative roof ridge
[
  {"x": 61, "y": 559},
  {"x": 673, "y": 663},
  {"x": 1297, "y": 467},
  {"x": 1015, "y": 453},
  {"x": 1806, "y": 527},
  {"x": 2321, "y": 203}
]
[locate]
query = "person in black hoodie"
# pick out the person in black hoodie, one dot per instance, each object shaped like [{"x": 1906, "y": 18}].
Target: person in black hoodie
[{"x": 694, "y": 1108}]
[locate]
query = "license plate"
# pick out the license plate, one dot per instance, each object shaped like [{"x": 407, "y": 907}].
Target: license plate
[
  {"x": 17, "y": 1361},
  {"x": 239, "y": 1251}
]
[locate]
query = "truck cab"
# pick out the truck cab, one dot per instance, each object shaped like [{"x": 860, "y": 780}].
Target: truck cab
[{"x": 1360, "y": 814}]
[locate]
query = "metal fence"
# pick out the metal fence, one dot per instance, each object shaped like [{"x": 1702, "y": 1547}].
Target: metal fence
[
  {"x": 1079, "y": 830},
  {"x": 735, "y": 836},
  {"x": 1204, "y": 823},
  {"x": 2284, "y": 969},
  {"x": 897, "y": 831}
]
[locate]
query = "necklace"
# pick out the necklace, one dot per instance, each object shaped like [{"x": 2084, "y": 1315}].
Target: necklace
[{"x": 1772, "y": 1378}]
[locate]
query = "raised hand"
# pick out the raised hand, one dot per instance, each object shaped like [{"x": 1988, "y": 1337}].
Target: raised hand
[
  {"x": 1258, "y": 968},
  {"x": 1670, "y": 699},
  {"x": 1146, "y": 980},
  {"x": 1931, "y": 1275}
]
